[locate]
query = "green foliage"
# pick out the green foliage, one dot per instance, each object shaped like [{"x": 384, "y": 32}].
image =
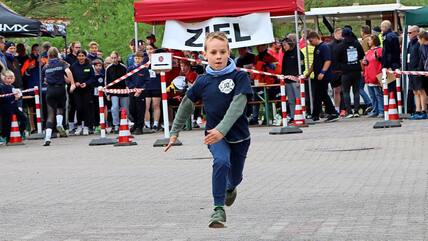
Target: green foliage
[{"x": 110, "y": 22}]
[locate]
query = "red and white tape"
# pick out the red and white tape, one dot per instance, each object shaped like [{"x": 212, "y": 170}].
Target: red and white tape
[
  {"x": 121, "y": 91},
  {"x": 146, "y": 65},
  {"x": 22, "y": 91},
  {"x": 405, "y": 72},
  {"x": 253, "y": 71}
]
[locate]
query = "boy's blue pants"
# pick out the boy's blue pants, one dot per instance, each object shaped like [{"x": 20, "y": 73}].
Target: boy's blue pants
[{"x": 228, "y": 165}]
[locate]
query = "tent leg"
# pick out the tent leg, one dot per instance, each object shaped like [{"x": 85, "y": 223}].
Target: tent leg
[
  {"x": 307, "y": 62},
  {"x": 135, "y": 37},
  {"x": 405, "y": 78},
  {"x": 39, "y": 59}
]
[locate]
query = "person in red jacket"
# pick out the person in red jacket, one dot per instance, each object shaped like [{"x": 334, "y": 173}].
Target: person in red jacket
[{"x": 372, "y": 67}]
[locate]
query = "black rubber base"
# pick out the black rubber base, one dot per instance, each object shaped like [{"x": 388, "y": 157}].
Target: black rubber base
[
  {"x": 36, "y": 136},
  {"x": 386, "y": 124},
  {"x": 102, "y": 141},
  {"x": 285, "y": 130},
  {"x": 164, "y": 142}
]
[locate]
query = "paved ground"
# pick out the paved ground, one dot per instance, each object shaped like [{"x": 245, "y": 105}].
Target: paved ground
[{"x": 311, "y": 186}]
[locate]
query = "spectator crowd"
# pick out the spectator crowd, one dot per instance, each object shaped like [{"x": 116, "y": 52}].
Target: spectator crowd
[{"x": 339, "y": 69}]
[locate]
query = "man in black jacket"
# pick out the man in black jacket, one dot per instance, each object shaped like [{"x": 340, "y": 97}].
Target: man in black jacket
[
  {"x": 415, "y": 82},
  {"x": 349, "y": 56},
  {"x": 336, "y": 83},
  {"x": 391, "y": 50}
]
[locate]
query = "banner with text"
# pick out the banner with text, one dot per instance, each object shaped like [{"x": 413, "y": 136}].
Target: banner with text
[{"x": 249, "y": 30}]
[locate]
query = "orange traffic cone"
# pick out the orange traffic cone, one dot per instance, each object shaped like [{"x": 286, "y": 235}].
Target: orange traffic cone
[
  {"x": 392, "y": 109},
  {"x": 15, "y": 135},
  {"x": 299, "y": 119},
  {"x": 124, "y": 134}
]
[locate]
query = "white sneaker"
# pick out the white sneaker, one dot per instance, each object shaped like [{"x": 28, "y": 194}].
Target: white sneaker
[
  {"x": 85, "y": 131},
  {"x": 350, "y": 115},
  {"x": 78, "y": 131}
]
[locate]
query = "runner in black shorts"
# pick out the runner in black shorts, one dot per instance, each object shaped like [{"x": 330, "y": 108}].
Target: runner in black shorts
[{"x": 56, "y": 74}]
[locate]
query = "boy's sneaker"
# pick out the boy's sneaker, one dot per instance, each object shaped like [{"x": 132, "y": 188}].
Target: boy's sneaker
[
  {"x": 230, "y": 197},
  {"x": 350, "y": 115},
  {"x": 61, "y": 131},
  {"x": 98, "y": 130},
  {"x": 116, "y": 130},
  {"x": 137, "y": 131},
  {"x": 356, "y": 115},
  {"x": 423, "y": 116},
  {"x": 85, "y": 131},
  {"x": 47, "y": 143},
  {"x": 332, "y": 118},
  {"x": 2, "y": 141},
  {"x": 372, "y": 115},
  {"x": 218, "y": 218},
  {"x": 78, "y": 131},
  {"x": 368, "y": 110}
]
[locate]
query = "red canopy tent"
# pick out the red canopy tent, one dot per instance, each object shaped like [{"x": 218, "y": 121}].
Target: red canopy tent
[{"x": 158, "y": 11}]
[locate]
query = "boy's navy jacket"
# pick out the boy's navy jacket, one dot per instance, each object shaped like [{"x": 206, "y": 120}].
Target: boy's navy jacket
[
  {"x": 99, "y": 79},
  {"x": 217, "y": 93},
  {"x": 7, "y": 102},
  {"x": 83, "y": 73},
  {"x": 391, "y": 51},
  {"x": 53, "y": 72},
  {"x": 137, "y": 80}
]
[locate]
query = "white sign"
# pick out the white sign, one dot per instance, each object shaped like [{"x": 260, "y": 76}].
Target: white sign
[
  {"x": 161, "y": 61},
  {"x": 249, "y": 30}
]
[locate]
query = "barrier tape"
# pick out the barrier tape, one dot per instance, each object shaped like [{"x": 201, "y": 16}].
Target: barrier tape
[
  {"x": 253, "y": 71},
  {"x": 22, "y": 91},
  {"x": 121, "y": 91},
  {"x": 146, "y": 65},
  {"x": 405, "y": 72}
]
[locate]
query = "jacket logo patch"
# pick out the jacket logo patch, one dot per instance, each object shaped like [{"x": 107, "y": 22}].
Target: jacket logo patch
[{"x": 226, "y": 86}]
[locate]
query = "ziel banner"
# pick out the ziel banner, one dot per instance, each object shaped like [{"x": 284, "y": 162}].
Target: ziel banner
[{"x": 249, "y": 30}]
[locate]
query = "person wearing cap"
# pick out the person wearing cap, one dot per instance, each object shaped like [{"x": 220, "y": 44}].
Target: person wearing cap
[
  {"x": 141, "y": 47},
  {"x": 290, "y": 66},
  {"x": 13, "y": 64},
  {"x": 349, "y": 57}
]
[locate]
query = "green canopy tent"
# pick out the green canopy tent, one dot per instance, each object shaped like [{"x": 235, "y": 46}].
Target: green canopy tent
[{"x": 417, "y": 17}]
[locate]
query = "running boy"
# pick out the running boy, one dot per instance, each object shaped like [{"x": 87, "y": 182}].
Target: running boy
[
  {"x": 9, "y": 105},
  {"x": 223, "y": 91}
]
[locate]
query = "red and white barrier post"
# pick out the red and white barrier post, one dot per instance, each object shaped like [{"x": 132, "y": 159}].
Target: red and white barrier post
[
  {"x": 103, "y": 140},
  {"x": 165, "y": 141},
  {"x": 399, "y": 99},
  {"x": 39, "y": 135},
  {"x": 285, "y": 129},
  {"x": 386, "y": 123}
]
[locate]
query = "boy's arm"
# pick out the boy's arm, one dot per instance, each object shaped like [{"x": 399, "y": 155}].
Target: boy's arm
[
  {"x": 235, "y": 110},
  {"x": 184, "y": 111}
]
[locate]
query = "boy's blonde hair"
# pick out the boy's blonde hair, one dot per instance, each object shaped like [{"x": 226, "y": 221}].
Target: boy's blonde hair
[
  {"x": 93, "y": 43},
  {"x": 7, "y": 73},
  {"x": 216, "y": 35}
]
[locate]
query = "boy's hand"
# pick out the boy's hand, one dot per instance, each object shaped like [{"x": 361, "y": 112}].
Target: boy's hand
[
  {"x": 72, "y": 88},
  {"x": 213, "y": 137},
  {"x": 172, "y": 140},
  {"x": 83, "y": 85},
  {"x": 77, "y": 84}
]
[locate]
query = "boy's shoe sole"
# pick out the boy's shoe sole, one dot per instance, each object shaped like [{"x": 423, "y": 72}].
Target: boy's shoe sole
[
  {"x": 216, "y": 224},
  {"x": 230, "y": 197},
  {"x": 47, "y": 143}
]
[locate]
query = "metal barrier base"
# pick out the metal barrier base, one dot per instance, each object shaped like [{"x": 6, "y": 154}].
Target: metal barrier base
[
  {"x": 36, "y": 136},
  {"x": 386, "y": 124},
  {"x": 102, "y": 141},
  {"x": 285, "y": 130},
  {"x": 165, "y": 141}
]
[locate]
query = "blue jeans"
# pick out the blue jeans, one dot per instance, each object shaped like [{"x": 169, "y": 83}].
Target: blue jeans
[
  {"x": 377, "y": 99},
  {"x": 292, "y": 94},
  {"x": 363, "y": 93},
  {"x": 116, "y": 102},
  {"x": 228, "y": 164}
]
